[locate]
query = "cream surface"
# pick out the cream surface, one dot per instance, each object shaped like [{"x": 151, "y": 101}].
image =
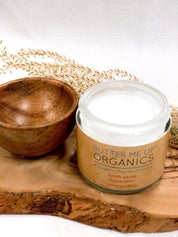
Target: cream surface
[{"x": 124, "y": 107}]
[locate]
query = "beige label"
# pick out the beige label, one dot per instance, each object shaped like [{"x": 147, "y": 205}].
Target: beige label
[{"x": 121, "y": 168}]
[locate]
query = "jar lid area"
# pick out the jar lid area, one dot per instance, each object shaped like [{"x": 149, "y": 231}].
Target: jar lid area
[
  {"x": 124, "y": 105},
  {"x": 130, "y": 112}
]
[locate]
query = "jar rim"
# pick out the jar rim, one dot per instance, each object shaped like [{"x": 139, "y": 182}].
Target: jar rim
[{"x": 164, "y": 114}]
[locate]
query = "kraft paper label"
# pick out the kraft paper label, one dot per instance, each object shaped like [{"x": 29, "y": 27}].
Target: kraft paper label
[{"x": 121, "y": 168}]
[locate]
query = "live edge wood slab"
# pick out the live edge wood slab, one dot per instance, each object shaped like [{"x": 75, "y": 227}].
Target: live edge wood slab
[{"x": 50, "y": 185}]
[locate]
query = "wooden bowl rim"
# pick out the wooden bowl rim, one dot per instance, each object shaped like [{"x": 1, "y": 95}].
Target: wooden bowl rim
[{"x": 50, "y": 80}]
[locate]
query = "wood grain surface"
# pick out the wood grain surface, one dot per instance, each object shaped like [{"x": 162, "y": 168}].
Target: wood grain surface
[
  {"x": 52, "y": 185},
  {"x": 37, "y": 115}
]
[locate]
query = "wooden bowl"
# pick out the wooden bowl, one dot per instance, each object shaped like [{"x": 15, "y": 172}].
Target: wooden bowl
[{"x": 36, "y": 115}]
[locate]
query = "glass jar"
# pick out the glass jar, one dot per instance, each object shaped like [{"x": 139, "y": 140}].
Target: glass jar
[{"x": 122, "y": 135}]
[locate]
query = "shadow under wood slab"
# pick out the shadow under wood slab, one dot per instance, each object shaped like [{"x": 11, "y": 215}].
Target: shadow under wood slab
[{"x": 49, "y": 185}]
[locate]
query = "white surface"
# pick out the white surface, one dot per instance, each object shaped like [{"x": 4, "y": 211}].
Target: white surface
[
  {"x": 115, "y": 106},
  {"x": 140, "y": 36},
  {"x": 37, "y": 226}
]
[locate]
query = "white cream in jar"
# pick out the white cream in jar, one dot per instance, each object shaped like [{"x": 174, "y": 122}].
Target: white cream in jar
[{"x": 122, "y": 134}]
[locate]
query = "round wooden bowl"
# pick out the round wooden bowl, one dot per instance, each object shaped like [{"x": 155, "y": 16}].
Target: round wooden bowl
[{"x": 36, "y": 115}]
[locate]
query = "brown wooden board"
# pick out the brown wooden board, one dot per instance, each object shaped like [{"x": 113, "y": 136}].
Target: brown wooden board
[{"x": 52, "y": 185}]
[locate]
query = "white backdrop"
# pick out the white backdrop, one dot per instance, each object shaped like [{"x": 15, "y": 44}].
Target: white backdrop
[{"x": 140, "y": 36}]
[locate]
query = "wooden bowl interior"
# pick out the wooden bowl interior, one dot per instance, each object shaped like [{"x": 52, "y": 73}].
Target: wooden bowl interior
[{"x": 30, "y": 102}]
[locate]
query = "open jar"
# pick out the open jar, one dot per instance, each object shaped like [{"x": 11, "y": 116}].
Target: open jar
[{"x": 122, "y": 135}]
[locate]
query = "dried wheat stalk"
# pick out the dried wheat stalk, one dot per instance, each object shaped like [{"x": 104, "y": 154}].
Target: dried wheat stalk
[{"x": 80, "y": 77}]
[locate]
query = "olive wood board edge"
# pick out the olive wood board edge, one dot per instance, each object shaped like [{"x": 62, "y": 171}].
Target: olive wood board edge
[{"x": 50, "y": 185}]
